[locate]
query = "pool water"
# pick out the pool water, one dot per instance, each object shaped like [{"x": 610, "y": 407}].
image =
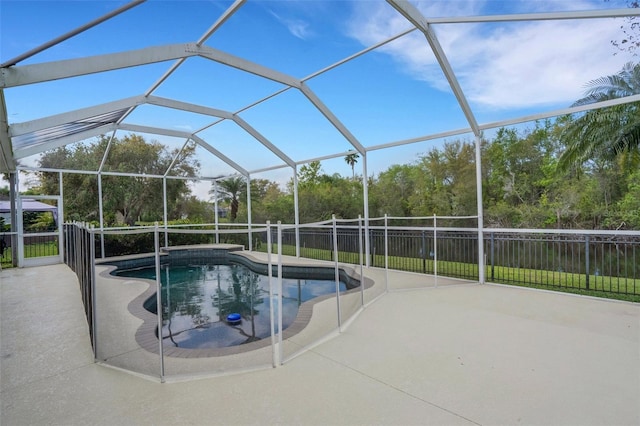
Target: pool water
[{"x": 196, "y": 300}]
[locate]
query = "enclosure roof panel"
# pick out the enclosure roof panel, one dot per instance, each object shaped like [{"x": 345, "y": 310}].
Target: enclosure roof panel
[{"x": 36, "y": 138}]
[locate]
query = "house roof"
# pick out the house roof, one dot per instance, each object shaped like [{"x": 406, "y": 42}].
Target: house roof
[{"x": 28, "y": 205}]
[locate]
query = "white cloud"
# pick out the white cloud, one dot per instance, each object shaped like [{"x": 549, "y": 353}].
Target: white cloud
[
  {"x": 526, "y": 64},
  {"x": 298, "y": 27},
  {"x": 201, "y": 190},
  {"x": 509, "y": 65}
]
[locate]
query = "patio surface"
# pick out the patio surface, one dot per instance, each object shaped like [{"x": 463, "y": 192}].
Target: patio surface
[{"x": 452, "y": 354}]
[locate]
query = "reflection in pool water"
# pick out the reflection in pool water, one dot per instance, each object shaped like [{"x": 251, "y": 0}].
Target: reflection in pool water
[{"x": 197, "y": 299}]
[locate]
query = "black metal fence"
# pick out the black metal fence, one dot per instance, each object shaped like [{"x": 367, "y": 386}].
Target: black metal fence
[
  {"x": 580, "y": 261},
  {"x": 606, "y": 262},
  {"x": 450, "y": 253},
  {"x": 79, "y": 255},
  {"x": 594, "y": 262},
  {"x": 35, "y": 245},
  {"x": 7, "y": 249}
]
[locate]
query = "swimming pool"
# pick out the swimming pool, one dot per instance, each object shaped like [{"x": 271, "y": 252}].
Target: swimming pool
[{"x": 197, "y": 298}]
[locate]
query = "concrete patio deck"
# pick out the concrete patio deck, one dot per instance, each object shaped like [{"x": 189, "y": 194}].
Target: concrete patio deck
[{"x": 457, "y": 354}]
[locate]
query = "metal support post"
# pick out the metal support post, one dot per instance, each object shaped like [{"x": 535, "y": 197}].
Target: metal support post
[
  {"x": 337, "y": 270},
  {"x": 159, "y": 310}
]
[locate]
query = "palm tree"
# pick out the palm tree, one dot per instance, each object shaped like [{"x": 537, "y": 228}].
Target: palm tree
[
  {"x": 609, "y": 132},
  {"x": 228, "y": 190},
  {"x": 352, "y": 159}
]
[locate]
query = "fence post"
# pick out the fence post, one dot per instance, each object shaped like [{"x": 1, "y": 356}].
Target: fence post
[
  {"x": 386, "y": 252},
  {"x": 274, "y": 356},
  {"x": 337, "y": 271},
  {"x": 159, "y": 310},
  {"x": 492, "y": 263},
  {"x": 435, "y": 249},
  {"x": 87, "y": 266},
  {"x": 279, "y": 288},
  {"x": 92, "y": 289},
  {"x": 360, "y": 260},
  {"x": 372, "y": 248},
  {"x": 587, "y": 266},
  {"x": 424, "y": 252}
]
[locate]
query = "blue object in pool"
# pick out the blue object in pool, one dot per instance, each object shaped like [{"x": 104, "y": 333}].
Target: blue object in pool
[{"x": 234, "y": 318}]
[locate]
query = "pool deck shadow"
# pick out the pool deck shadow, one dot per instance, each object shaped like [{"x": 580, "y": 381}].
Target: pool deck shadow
[{"x": 420, "y": 352}]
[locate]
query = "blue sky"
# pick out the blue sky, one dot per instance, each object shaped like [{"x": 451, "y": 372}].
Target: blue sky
[{"x": 394, "y": 93}]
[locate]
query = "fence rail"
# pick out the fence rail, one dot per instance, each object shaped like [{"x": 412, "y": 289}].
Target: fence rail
[
  {"x": 79, "y": 255},
  {"x": 605, "y": 263}
]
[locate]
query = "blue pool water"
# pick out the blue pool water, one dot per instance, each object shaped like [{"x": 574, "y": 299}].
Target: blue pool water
[{"x": 196, "y": 300}]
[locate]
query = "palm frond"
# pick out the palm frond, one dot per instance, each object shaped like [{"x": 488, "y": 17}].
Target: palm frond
[
  {"x": 605, "y": 133},
  {"x": 625, "y": 83}
]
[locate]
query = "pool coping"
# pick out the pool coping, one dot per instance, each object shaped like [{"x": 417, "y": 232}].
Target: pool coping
[{"x": 146, "y": 335}]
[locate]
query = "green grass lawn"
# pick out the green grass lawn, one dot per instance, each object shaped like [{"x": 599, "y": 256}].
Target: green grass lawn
[
  {"x": 49, "y": 248},
  {"x": 600, "y": 286}
]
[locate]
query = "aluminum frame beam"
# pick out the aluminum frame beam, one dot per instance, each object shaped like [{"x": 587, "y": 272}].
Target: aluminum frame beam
[
  {"x": 325, "y": 157},
  {"x": 220, "y": 155},
  {"x": 189, "y": 107},
  {"x": 48, "y": 71},
  {"x": 542, "y": 16},
  {"x": 225, "y": 16},
  {"x": 329, "y": 115},
  {"x": 109, "y": 173},
  {"x": 7, "y": 161},
  {"x": 413, "y": 15},
  {"x": 559, "y": 112},
  {"x": 247, "y": 66},
  {"x": 154, "y": 130},
  {"x": 264, "y": 141},
  {"x": 72, "y": 33},
  {"x": 175, "y": 157}
]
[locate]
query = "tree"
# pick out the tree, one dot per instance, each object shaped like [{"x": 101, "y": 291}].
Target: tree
[
  {"x": 609, "y": 133},
  {"x": 228, "y": 191},
  {"x": 309, "y": 174},
  {"x": 320, "y": 195},
  {"x": 126, "y": 199},
  {"x": 195, "y": 210},
  {"x": 352, "y": 159},
  {"x": 392, "y": 190},
  {"x": 447, "y": 181},
  {"x": 268, "y": 202},
  {"x": 629, "y": 205}
]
